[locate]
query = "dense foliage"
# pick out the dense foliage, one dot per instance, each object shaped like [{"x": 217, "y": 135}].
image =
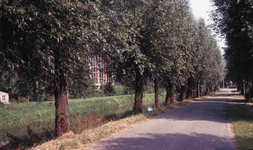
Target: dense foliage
[
  {"x": 233, "y": 19},
  {"x": 46, "y": 48}
]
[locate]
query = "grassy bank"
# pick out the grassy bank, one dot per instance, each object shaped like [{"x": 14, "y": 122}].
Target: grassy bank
[
  {"x": 23, "y": 114},
  {"x": 241, "y": 117},
  {"x": 88, "y": 137}
]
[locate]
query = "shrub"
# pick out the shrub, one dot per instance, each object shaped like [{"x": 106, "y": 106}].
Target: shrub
[
  {"x": 21, "y": 99},
  {"x": 118, "y": 90},
  {"x": 87, "y": 92},
  {"x": 148, "y": 89},
  {"x": 128, "y": 90},
  {"x": 108, "y": 89},
  {"x": 162, "y": 90},
  {"x": 98, "y": 93}
]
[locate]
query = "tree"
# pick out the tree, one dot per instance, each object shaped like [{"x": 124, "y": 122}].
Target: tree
[
  {"x": 233, "y": 20},
  {"x": 79, "y": 78},
  {"x": 211, "y": 67},
  {"x": 164, "y": 35},
  {"x": 178, "y": 49},
  {"x": 49, "y": 33},
  {"x": 146, "y": 37},
  {"x": 125, "y": 42}
]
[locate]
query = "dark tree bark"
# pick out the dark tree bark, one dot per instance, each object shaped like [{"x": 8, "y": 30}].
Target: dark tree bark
[
  {"x": 169, "y": 94},
  {"x": 62, "y": 119},
  {"x": 156, "y": 82},
  {"x": 250, "y": 95},
  {"x": 216, "y": 88},
  {"x": 240, "y": 88},
  {"x": 167, "y": 98},
  {"x": 198, "y": 90},
  {"x": 207, "y": 90},
  {"x": 189, "y": 91},
  {"x": 138, "y": 107},
  {"x": 183, "y": 93}
]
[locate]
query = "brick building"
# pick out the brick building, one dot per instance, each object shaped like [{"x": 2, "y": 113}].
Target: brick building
[{"x": 101, "y": 72}]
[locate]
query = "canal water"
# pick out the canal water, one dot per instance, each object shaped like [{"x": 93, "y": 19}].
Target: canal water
[{"x": 21, "y": 134}]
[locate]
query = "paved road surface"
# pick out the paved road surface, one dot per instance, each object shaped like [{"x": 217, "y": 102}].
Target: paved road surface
[{"x": 202, "y": 125}]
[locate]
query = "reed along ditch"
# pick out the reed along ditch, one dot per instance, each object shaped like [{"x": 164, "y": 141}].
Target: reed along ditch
[{"x": 84, "y": 114}]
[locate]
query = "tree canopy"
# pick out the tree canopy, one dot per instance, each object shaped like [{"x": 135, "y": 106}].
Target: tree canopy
[
  {"x": 233, "y": 20},
  {"x": 46, "y": 47}
]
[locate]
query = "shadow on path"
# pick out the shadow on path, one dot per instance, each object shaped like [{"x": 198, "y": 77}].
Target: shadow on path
[
  {"x": 213, "y": 109},
  {"x": 167, "y": 142}
]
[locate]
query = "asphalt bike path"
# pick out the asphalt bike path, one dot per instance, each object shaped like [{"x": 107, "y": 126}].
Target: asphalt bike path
[{"x": 201, "y": 125}]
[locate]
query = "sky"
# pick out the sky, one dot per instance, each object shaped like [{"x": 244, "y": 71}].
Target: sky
[{"x": 202, "y": 8}]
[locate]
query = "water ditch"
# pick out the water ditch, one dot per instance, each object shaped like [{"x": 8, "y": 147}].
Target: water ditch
[
  {"x": 36, "y": 133},
  {"x": 26, "y": 136}
]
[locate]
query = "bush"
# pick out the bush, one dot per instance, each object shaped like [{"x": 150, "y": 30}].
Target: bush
[
  {"x": 148, "y": 89},
  {"x": 128, "y": 90},
  {"x": 118, "y": 90},
  {"x": 162, "y": 90},
  {"x": 98, "y": 93},
  {"x": 87, "y": 92},
  {"x": 48, "y": 97},
  {"x": 21, "y": 99},
  {"x": 108, "y": 89}
]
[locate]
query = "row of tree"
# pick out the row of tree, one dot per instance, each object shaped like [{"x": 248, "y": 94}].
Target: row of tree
[
  {"x": 167, "y": 45},
  {"x": 233, "y": 19},
  {"x": 46, "y": 45}
]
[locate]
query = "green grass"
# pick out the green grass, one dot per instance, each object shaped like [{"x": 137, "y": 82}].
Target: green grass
[
  {"x": 23, "y": 114},
  {"x": 88, "y": 137},
  {"x": 241, "y": 117}
]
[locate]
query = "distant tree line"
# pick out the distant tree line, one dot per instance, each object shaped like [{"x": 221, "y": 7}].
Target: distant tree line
[
  {"x": 233, "y": 20},
  {"x": 46, "y": 46}
]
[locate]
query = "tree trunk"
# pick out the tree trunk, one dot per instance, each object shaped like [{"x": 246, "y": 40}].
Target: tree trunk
[
  {"x": 183, "y": 93},
  {"x": 169, "y": 94},
  {"x": 250, "y": 94},
  {"x": 198, "y": 95},
  {"x": 156, "y": 82},
  {"x": 239, "y": 88},
  {"x": 207, "y": 90},
  {"x": 62, "y": 119},
  {"x": 138, "y": 107},
  {"x": 189, "y": 91},
  {"x": 200, "y": 90},
  {"x": 216, "y": 88}
]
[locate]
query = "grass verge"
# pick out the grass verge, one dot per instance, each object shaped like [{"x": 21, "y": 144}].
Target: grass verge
[
  {"x": 88, "y": 137},
  {"x": 24, "y": 114},
  {"x": 241, "y": 117}
]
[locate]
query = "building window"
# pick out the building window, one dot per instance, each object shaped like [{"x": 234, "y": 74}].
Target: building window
[
  {"x": 100, "y": 71},
  {"x": 101, "y": 77},
  {"x": 94, "y": 69},
  {"x": 109, "y": 78}
]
